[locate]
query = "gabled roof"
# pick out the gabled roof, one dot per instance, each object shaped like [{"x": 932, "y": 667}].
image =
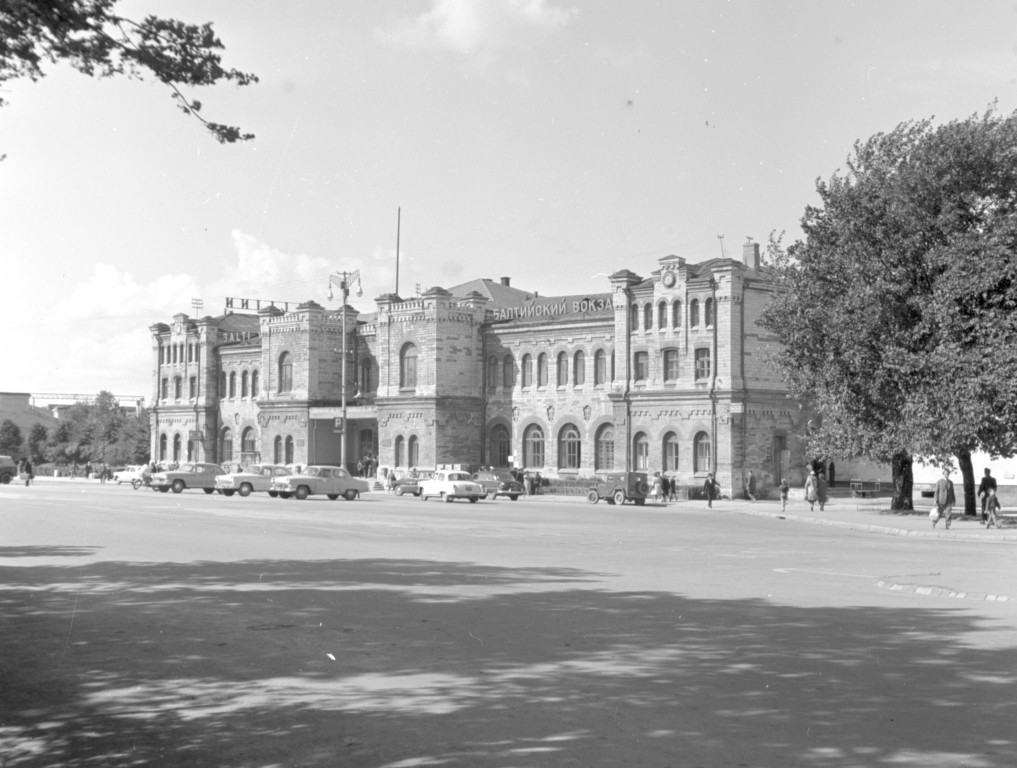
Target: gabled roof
[{"x": 494, "y": 291}]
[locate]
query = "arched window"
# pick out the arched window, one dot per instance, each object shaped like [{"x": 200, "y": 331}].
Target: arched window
[
  {"x": 492, "y": 372},
  {"x": 226, "y": 449},
  {"x": 399, "y": 444},
  {"x": 192, "y": 450},
  {"x": 254, "y": 383},
  {"x": 701, "y": 453},
  {"x": 708, "y": 312},
  {"x": 676, "y": 315},
  {"x": 670, "y": 452},
  {"x": 694, "y": 313},
  {"x": 367, "y": 383},
  {"x": 508, "y": 372},
  {"x": 288, "y": 448},
  {"x": 542, "y": 370},
  {"x": 197, "y": 353},
  {"x": 413, "y": 451},
  {"x": 563, "y": 369},
  {"x": 579, "y": 369},
  {"x": 162, "y": 447},
  {"x": 599, "y": 367},
  {"x": 647, "y": 317},
  {"x": 569, "y": 447},
  {"x": 500, "y": 446},
  {"x": 641, "y": 452},
  {"x": 285, "y": 372},
  {"x": 233, "y": 384},
  {"x": 245, "y": 384},
  {"x": 533, "y": 447},
  {"x": 634, "y": 317},
  {"x": 277, "y": 450},
  {"x": 176, "y": 447},
  {"x": 247, "y": 444},
  {"x": 662, "y": 315},
  {"x": 408, "y": 367},
  {"x": 604, "y": 451},
  {"x": 527, "y": 371}
]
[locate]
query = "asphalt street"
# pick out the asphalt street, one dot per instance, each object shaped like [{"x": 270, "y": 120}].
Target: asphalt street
[{"x": 189, "y": 630}]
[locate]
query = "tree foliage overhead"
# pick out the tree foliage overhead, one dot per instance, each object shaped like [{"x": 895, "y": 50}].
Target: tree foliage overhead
[
  {"x": 898, "y": 321},
  {"x": 97, "y": 41}
]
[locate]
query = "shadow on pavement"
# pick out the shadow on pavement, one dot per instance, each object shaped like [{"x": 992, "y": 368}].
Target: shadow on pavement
[{"x": 396, "y": 663}]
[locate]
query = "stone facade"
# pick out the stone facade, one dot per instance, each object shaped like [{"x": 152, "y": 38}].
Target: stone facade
[{"x": 663, "y": 373}]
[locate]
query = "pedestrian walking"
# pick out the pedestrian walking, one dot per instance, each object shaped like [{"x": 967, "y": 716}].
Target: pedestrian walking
[
  {"x": 29, "y": 472},
  {"x": 944, "y": 499},
  {"x": 821, "y": 491},
  {"x": 991, "y": 505},
  {"x": 812, "y": 490},
  {"x": 710, "y": 490},
  {"x": 392, "y": 481},
  {"x": 750, "y": 486},
  {"x": 656, "y": 488},
  {"x": 988, "y": 483},
  {"x": 784, "y": 492},
  {"x": 665, "y": 488}
]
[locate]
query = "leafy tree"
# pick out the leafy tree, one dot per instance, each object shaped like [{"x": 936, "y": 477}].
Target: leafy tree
[
  {"x": 897, "y": 318},
  {"x": 10, "y": 438},
  {"x": 37, "y": 437},
  {"x": 97, "y": 41}
]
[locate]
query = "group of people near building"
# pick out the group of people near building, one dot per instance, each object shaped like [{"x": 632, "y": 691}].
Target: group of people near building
[{"x": 367, "y": 465}]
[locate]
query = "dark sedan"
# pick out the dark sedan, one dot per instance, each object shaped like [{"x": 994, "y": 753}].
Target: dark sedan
[{"x": 499, "y": 482}]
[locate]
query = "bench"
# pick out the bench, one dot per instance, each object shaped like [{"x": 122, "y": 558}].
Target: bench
[
  {"x": 1006, "y": 517},
  {"x": 864, "y": 488}
]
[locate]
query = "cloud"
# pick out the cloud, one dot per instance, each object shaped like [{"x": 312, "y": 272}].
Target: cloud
[{"x": 478, "y": 26}]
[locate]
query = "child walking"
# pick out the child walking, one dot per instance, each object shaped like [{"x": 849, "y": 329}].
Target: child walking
[
  {"x": 784, "y": 490},
  {"x": 991, "y": 505}
]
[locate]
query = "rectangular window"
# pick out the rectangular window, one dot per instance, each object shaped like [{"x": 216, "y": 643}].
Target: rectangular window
[
  {"x": 702, "y": 363},
  {"x": 165, "y": 388},
  {"x": 642, "y": 366},
  {"x": 178, "y": 386},
  {"x": 670, "y": 365},
  {"x": 193, "y": 387}
]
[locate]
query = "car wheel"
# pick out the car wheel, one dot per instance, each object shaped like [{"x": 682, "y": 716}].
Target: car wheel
[
  {"x": 619, "y": 497},
  {"x": 245, "y": 489},
  {"x": 399, "y": 490},
  {"x": 593, "y": 497},
  {"x": 514, "y": 497},
  {"x": 273, "y": 494},
  {"x": 5, "y": 479},
  {"x": 639, "y": 502},
  {"x": 302, "y": 492},
  {"x": 333, "y": 496},
  {"x": 285, "y": 495},
  {"x": 350, "y": 494},
  {"x": 136, "y": 484},
  {"x": 474, "y": 499},
  {"x": 227, "y": 494},
  {"x": 208, "y": 491},
  {"x": 163, "y": 489},
  {"x": 178, "y": 486}
]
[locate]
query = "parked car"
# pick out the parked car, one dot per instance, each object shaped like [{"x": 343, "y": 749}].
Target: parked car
[
  {"x": 411, "y": 483},
  {"x": 255, "y": 477},
  {"x": 499, "y": 482},
  {"x": 330, "y": 481},
  {"x": 189, "y": 475},
  {"x": 130, "y": 473},
  {"x": 451, "y": 485},
  {"x": 8, "y": 470},
  {"x": 619, "y": 487}
]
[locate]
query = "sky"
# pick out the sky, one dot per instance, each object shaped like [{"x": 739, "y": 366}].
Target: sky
[{"x": 549, "y": 141}]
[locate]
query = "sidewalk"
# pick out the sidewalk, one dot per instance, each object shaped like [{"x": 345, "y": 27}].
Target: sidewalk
[{"x": 868, "y": 514}]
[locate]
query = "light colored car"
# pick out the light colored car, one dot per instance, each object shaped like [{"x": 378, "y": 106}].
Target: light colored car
[
  {"x": 255, "y": 477},
  {"x": 317, "y": 480},
  {"x": 451, "y": 484},
  {"x": 190, "y": 475},
  {"x": 130, "y": 473}
]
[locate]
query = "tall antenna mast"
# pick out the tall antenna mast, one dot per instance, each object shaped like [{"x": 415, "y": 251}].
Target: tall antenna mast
[
  {"x": 722, "y": 254},
  {"x": 399, "y": 221}
]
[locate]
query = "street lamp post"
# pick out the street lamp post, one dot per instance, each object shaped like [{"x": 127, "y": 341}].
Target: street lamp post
[{"x": 345, "y": 280}]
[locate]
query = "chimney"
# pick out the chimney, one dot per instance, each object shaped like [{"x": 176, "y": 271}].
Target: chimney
[
  {"x": 750, "y": 254},
  {"x": 505, "y": 281}
]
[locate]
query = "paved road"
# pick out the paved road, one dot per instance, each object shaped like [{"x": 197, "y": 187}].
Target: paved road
[{"x": 188, "y": 630}]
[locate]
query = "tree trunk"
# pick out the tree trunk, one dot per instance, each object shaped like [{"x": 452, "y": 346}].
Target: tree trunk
[
  {"x": 967, "y": 470},
  {"x": 903, "y": 483}
]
